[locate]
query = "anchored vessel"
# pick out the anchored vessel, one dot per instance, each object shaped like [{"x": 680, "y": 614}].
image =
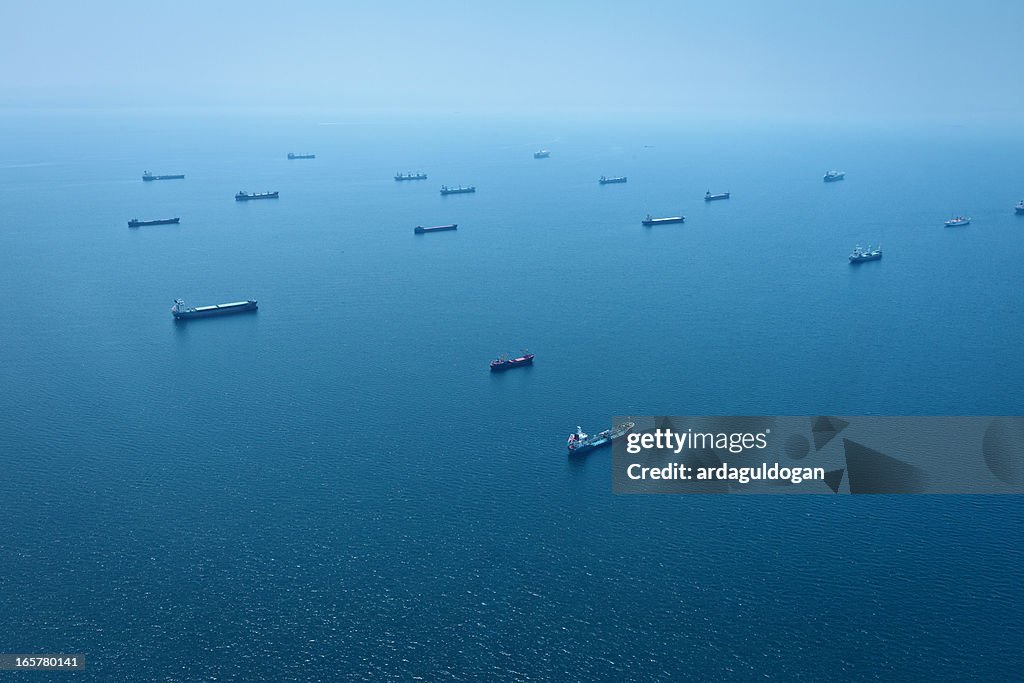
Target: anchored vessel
[
  {"x": 410, "y": 176},
  {"x": 859, "y": 255},
  {"x": 457, "y": 190},
  {"x": 1020, "y": 206},
  {"x": 244, "y": 196},
  {"x": 146, "y": 175},
  {"x": 504, "y": 362},
  {"x": 542, "y": 154},
  {"x": 708, "y": 197},
  {"x": 181, "y": 312},
  {"x": 419, "y": 229},
  {"x": 650, "y": 220},
  {"x": 606, "y": 180},
  {"x": 580, "y": 442},
  {"x": 832, "y": 176},
  {"x": 136, "y": 223},
  {"x": 957, "y": 221},
  {"x": 301, "y": 156}
]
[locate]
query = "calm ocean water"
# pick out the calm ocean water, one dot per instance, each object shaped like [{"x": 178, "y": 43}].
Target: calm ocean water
[{"x": 337, "y": 488}]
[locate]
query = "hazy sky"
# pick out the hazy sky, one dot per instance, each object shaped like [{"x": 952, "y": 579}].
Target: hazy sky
[{"x": 861, "y": 59}]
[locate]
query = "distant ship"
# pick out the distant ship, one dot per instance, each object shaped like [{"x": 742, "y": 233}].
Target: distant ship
[
  {"x": 957, "y": 221},
  {"x": 1020, "y": 207},
  {"x": 410, "y": 176},
  {"x": 457, "y": 190},
  {"x": 543, "y": 154},
  {"x": 244, "y": 196},
  {"x": 419, "y": 229},
  {"x": 301, "y": 156},
  {"x": 606, "y": 180},
  {"x": 832, "y": 176},
  {"x": 136, "y": 223},
  {"x": 180, "y": 312},
  {"x": 580, "y": 442},
  {"x": 860, "y": 255},
  {"x": 146, "y": 175},
  {"x": 650, "y": 220},
  {"x": 504, "y": 363},
  {"x": 708, "y": 197}
]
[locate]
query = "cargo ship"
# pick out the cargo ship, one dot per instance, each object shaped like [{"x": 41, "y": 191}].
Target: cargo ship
[
  {"x": 580, "y": 442},
  {"x": 244, "y": 196},
  {"x": 181, "y": 312},
  {"x": 859, "y": 255},
  {"x": 301, "y": 156},
  {"x": 708, "y": 197},
  {"x": 1020, "y": 207},
  {"x": 607, "y": 180},
  {"x": 410, "y": 176},
  {"x": 136, "y": 223},
  {"x": 957, "y": 221},
  {"x": 457, "y": 190},
  {"x": 504, "y": 362},
  {"x": 147, "y": 176},
  {"x": 650, "y": 220},
  {"x": 419, "y": 229},
  {"x": 542, "y": 154},
  {"x": 832, "y": 176}
]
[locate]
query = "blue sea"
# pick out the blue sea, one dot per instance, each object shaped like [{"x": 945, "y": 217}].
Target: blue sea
[{"x": 336, "y": 488}]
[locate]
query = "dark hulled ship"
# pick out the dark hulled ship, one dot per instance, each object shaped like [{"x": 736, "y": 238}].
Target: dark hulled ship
[
  {"x": 244, "y": 196},
  {"x": 136, "y": 223},
  {"x": 419, "y": 229},
  {"x": 181, "y": 312},
  {"x": 147, "y": 176}
]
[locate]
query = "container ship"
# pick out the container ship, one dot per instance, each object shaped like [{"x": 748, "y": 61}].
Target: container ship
[
  {"x": 419, "y": 229},
  {"x": 957, "y": 221},
  {"x": 136, "y": 223},
  {"x": 542, "y": 154},
  {"x": 410, "y": 176},
  {"x": 147, "y": 176},
  {"x": 580, "y": 442},
  {"x": 608, "y": 180},
  {"x": 859, "y": 255},
  {"x": 181, "y": 312},
  {"x": 502, "y": 363},
  {"x": 457, "y": 190},
  {"x": 832, "y": 176},
  {"x": 301, "y": 156},
  {"x": 244, "y": 196},
  {"x": 650, "y": 220},
  {"x": 708, "y": 197}
]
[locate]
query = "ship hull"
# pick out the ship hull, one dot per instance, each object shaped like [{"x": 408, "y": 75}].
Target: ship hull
[
  {"x": 611, "y": 181},
  {"x": 663, "y": 221},
  {"x": 211, "y": 312},
  {"x": 465, "y": 191},
  {"x": 864, "y": 259},
  {"x": 149, "y": 178},
  {"x": 302, "y": 156},
  {"x": 715, "y": 197},
  {"x": 579, "y": 450},
  {"x": 250, "y": 197},
  {"x": 410, "y": 177},
  {"x": 164, "y": 221},
  {"x": 834, "y": 179},
  {"x": 419, "y": 229},
  {"x": 517, "y": 363},
  {"x": 1019, "y": 210}
]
